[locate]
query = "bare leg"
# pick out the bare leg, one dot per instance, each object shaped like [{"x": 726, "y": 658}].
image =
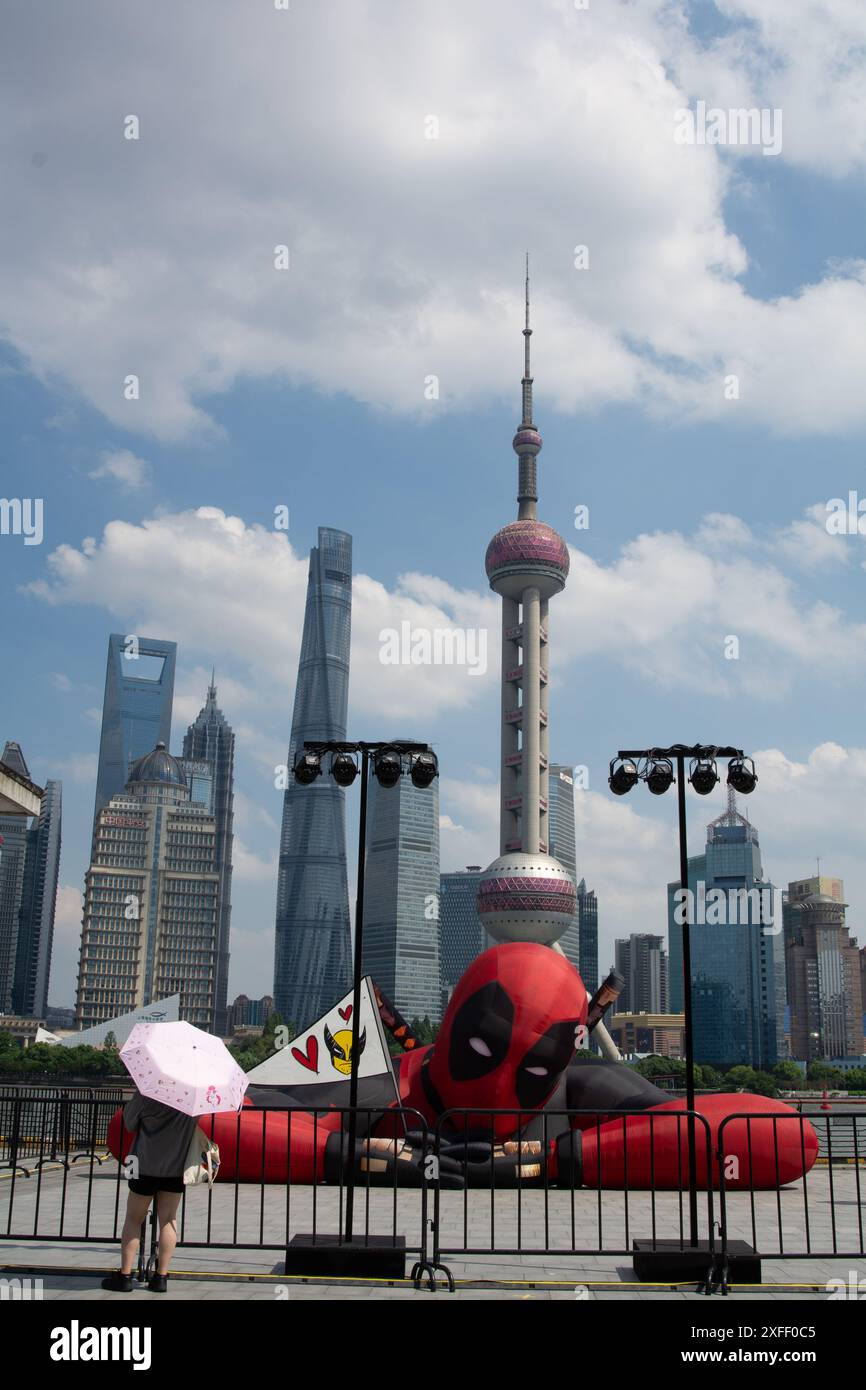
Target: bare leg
[
  {"x": 136, "y": 1212},
  {"x": 167, "y": 1204}
]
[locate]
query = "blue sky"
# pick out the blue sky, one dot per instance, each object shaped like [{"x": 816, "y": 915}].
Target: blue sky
[{"x": 706, "y": 514}]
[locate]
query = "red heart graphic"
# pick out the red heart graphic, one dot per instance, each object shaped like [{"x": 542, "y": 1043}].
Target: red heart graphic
[
  {"x": 345, "y": 1013},
  {"x": 310, "y": 1058}
]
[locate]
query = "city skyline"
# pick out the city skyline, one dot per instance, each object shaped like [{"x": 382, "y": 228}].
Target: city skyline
[{"x": 365, "y": 388}]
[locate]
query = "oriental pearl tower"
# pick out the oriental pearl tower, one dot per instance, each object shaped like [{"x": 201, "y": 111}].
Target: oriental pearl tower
[{"x": 525, "y": 894}]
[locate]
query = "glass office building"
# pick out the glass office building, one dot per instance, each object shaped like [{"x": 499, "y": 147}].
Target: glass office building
[
  {"x": 38, "y": 902},
  {"x": 738, "y": 998},
  {"x": 136, "y": 709},
  {"x": 29, "y": 869},
  {"x": 312, "y": 955},
  {"x": 461, "y": 933},
  {"x": 642, "y": 961},
  {"x": 208, "y": 762},
  {"x": 587, "y": 916},
  {"x": 561, "y": 845},
  {"x": 13, "y": 851},
  {"x": 401, "y": 897}
]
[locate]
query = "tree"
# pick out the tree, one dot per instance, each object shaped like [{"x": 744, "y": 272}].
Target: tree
[
  {"x": 764, "y": 1084},
  {"x": 651, "y": 1067},
  {"x": 741, "y": 1078},
  {"x": 825, "y": 1076},
  {"x": 788, "y": 1075},
  {"x": 423, "y": 1029}
]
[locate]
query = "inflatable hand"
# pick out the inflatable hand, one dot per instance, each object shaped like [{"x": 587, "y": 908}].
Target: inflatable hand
[
  {"x": 484, "y": 1164},
  {"x": 407, "y": 1161}
]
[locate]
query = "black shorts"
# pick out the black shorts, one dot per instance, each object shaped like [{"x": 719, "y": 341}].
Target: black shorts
[{"x": 149, "y": 1187}]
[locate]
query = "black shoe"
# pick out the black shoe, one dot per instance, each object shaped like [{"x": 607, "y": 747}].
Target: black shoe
[
  {"x": 118, "y": 1283},
  {"x": 158, "y": 1283}
]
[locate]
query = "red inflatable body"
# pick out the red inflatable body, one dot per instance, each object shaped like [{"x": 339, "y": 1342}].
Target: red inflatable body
[{"x": 507, "y": 1042}]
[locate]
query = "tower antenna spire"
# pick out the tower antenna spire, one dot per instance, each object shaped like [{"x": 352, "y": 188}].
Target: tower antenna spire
[{"x": 527, "y": 373}]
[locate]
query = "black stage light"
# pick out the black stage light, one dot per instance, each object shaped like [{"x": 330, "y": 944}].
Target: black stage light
[
  {"x": 308, "y": 768},
  {"x": 623, "y": 778},
  {"x": 424, "y": 768},
  {"x": 344, "y": 769},
  {"x": 659, "y": 776},
  {"x": 704, "y": 775},
  {"x": 742, "y": 775},
  {"x": 387, "y": 767}
]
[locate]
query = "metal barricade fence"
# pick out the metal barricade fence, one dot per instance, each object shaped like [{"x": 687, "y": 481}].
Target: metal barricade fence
[
  {"x": 47, "y": 1123},
  {"x": 819, "y": 1216},
  {"x": 536, "y": 1217},
  {"x": 81, "y": 1199},
  {"x": 600, "y": 1212}
]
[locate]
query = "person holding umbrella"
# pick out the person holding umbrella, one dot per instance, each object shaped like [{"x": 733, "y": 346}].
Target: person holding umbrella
[{"x": 182, "y": 1074}]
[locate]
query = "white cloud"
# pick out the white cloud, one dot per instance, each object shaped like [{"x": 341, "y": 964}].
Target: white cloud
[
  {"x": 78, "y": 767},
  {"x": 235, "y": 593},
  {"x": 669, "y": 602},
  {"x": 555, "y": 129},
  {"x": 125, "y": 467},
  {"x": 473, "y": 837},
  {"x": 808, "y": 545},
  {"x": 247, "y": 866},
  {"x": 804, "y": 57}
]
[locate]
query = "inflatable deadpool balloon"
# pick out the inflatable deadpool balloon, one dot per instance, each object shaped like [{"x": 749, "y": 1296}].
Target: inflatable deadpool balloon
[{"x": 507, "y": 1043}]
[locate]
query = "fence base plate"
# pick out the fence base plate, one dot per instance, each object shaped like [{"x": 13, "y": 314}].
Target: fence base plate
[
  {"x": 380, "y": 1257},
  {"x": 667, "y": 1261}
]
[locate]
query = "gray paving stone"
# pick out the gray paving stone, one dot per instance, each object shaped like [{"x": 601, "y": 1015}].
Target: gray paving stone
[{"x": 778, "y": 1221}]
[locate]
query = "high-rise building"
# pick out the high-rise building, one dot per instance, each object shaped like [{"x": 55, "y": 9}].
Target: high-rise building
[
  {"x": 648, "y": 1034},
  {"x": 312, "y": 956},
  {"x": 208, "y": 761},
  {"x": 136, "y": 709},
  {"x": 29, "y": 866},
  {"x": 642, "y": 961},
  {"x": 38, "y": 903},
  {"x": 818, "y": 885},
  {"x": 738, "y": 997},
  {"x": 822, "y": 968},
  {"x": 587, "y": 916},
  {"x": 526, "y": 894},
  {"x": 244, "y": 1012},
  {"x": 13, "y": 852},
  {"x": 151, "y": 900},
  {"x": 562, "y": 846},
  {"x": 461, "y": 932},
  {"x": 401, "y": 897}
]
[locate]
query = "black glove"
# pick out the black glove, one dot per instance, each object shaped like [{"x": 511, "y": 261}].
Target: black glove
[
  {"x": 486, "y": 1164},
  {"x": 409, "y": 1161}
]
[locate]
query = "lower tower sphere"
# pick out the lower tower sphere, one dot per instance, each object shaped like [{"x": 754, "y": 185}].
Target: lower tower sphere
[{"x": 526, "y": 897}]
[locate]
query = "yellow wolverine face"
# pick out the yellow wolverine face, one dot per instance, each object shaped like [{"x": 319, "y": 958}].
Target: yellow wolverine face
[{"x": 339, "y": 1046}]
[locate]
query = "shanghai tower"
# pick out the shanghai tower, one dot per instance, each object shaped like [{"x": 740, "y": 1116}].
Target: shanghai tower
[
  {"x": 525, "y": 894},
  {"x": 312, "y": 957}
]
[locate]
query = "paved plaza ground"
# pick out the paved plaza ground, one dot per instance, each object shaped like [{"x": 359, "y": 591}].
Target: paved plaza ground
[{"x": 541, "y": 1240}]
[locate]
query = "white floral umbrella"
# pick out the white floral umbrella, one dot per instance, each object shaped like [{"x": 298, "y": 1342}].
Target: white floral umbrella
[{"x": 191, "y": 1071}]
